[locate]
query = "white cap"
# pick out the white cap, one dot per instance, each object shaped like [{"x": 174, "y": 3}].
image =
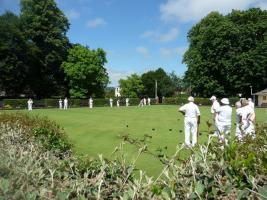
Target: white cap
[
  {"x": 191, "y": 99},
  {"x": 213, "y": 98},
  {"x": 225, "y": 101},
  {"x": 249, "y": 99}
]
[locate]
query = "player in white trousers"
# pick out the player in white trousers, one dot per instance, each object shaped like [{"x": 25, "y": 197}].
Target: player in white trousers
[
  {"x": 111, "y": 102},
  {"x": 60, "y": 103},
  {"x": 91, "y": 101},
  {"x": 144, "y": 101},
  {"x": 148, "y": 101},
  {"x": 127, "y": 102},
  {"x": 247, "y": 119},
  {"x": 65, "y": 104},
  {"x": 30, "y": 102},
  {"x": 224, "y": 120},
  {"x": 215, "y": 105},
  {"x": 250, "y": 103},
  {"x": 191, "y": 121},
  {"x": 118, "y": 103},
  {"x": 237, "y": 130}
]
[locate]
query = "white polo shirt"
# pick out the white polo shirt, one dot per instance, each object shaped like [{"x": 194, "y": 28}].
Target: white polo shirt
[
  {"x": 215, "y": 106},
  {"x": 224, "y": 114},
  {"x": 245, "y": 112},
  {"x": 190, "y": 109}
]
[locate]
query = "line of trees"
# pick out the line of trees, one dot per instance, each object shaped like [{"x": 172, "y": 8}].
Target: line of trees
[
  {"x": 37, "y": 58},
  {"x": 144, "y": 85}
]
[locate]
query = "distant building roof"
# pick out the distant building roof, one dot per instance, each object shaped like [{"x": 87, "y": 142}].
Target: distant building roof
[{"x": 263, "y": 92}]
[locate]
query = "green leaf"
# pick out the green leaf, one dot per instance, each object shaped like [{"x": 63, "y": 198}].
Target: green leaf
[
  {"x": 263, "y": 192},
  {"x": 199, "y": 188}
]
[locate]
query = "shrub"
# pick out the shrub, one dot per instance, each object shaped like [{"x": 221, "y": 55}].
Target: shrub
[{"x": 30, "y": 171}]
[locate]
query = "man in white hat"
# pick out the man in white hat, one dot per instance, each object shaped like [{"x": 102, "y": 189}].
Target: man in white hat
[
  {"x": 247, "y": 119},
  {"x": 191, "y": 121},
  {"x": 224, "y": 119},
  {"x": 215, "y": 105}
]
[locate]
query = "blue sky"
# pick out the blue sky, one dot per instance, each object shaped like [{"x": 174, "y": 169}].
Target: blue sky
[{"x": 138, "y": 35}]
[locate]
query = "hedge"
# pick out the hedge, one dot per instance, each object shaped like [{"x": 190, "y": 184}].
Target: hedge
[
  {"x": 53, "y": 103},
  {"x": 199, "y": 101}
]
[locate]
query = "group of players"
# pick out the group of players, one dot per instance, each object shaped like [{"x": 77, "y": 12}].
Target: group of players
[{"x": 222, "y": 117}]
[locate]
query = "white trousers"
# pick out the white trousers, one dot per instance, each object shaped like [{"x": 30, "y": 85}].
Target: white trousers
[
  {"x": 127, "y": 104},
  {"x": 90, "y": 105},
  {"x": 111, "y": 104},
  {"x": 29, "y": 107},
  {"x": 190, "y": 126},
  {"x": 60, "y": 106},
  {"x": 224, "y": 130},
  {"x": 248, "y": 128},
  {"x": 65, "y": 106}
]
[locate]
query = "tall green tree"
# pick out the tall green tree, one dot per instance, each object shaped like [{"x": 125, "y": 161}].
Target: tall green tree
[
  {"x": 84, "y": 68},
  {"x": 45, "y": 27},
  {"x": 132, "y": 86},
  {"x": 13, "y": 55},
  {"x": 165, "y": 85},
  {"x": 228, "y": 54}
]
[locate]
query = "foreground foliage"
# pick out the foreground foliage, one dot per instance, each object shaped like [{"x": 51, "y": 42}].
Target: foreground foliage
[{"x": 36, "y": 162}]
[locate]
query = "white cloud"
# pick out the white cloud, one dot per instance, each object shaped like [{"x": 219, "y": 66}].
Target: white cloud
[
  {"x": 142, "y": 50},
  {"x": 116, "y": 75},
  {"x": 162, "y": 37},
  {"x": 72, "y": 14},
  {"x": 172, "y": 52},
  {"x": 193, "y": 10},
  {"x": 95, "y": 23},
  {"x": 261, "y": 4}
]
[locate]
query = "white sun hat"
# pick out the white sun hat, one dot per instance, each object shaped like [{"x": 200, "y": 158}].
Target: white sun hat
[
  {"x": 225, "y": 101},
  {"x": 213, "y": 98},
  {"x": 191, "y": 99}
]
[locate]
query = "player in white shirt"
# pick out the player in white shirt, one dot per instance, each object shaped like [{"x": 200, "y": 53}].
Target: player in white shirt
[
  {"x": 127, "y": 102},
  {"x": 30, "y": 102},
  {"x": 91, "y": 102},
  {"x": 65, "y": 104},
  {"x": 247, "y": 119},
  {"x": 250, "y": 103},
  {"x": 224, "y": 120},
  {"x": 191, "y": 121},
  {"x": 215, "y": 105},
  {"x": 111, "y": 102},
  {"x": 238, "y": 131},
  {"x": 60, "y": 103},
  {"x": 148, "y": 101}
]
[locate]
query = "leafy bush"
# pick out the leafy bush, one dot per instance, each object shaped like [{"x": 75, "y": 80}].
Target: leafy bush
[
  {"x": 30, "y": 171},
  {"x": 15, "y": 103}
]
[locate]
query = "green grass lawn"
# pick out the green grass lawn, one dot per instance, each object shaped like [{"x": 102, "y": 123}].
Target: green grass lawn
[{"x": 96, "y": 131}]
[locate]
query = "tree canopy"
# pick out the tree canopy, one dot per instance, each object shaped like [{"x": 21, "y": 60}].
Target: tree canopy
[
  {"x": 228, "y": 54},
  {"x": 164, "y": 83},
  {"x": 132, "y": 86},
  {"x": 84, "y": 68}
]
